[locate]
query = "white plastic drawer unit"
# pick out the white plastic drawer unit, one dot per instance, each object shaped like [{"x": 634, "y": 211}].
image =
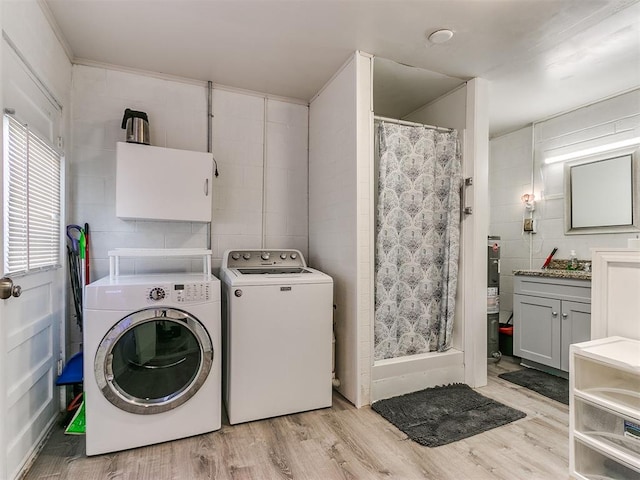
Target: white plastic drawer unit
[
  {"x": 607, "y": 429},
  {"x": 592, "y": 464},
  {"x": 157, "y": 183},
  {"x": 611, "y": 387}
]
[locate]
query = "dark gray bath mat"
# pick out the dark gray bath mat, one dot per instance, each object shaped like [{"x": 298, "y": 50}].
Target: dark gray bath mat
[
  {"x": 441, "y": 415},
  {"x": 543, "y": 383}
]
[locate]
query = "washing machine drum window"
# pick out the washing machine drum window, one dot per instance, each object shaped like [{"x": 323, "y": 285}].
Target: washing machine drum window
[{"x": 153, "y": 360}]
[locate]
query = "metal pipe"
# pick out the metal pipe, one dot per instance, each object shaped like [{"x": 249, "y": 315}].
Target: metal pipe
[
  {"x": 263, "y": 235},
  {"x": 411, "y": 124},
  {"x": 209, "y": 114},
  {"x": 209, "y": 148}
]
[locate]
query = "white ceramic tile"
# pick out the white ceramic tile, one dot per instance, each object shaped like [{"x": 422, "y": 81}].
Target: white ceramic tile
[
  {"x": 228, "y": 222},
  {"x": 184, "y": 96},
  {"x": 231, "y": 175},
  {"x": 102, "y": 242},
  {"x": 101, "y": 218},
  {"x": 88, "y": 134},
  {"x": 277, "y": 194},
  {"x": 200, "y": 228},
  {"x": 186, "y": 132},
  {"x": 287, "y": 113},
  {"x": 185, "y": 240},
  {"x": 143, "y": 266},
  {"x": 252, "y": 177},
  {"x": 285, "y": 241},
  {"x": 87, "y": 161},
  {"x": 226, "y": 103},
  {"x": 97, "y": 108},
  {"x": 100, "y": 267},
  {"x": 136, "y": 88},
  {"x": 88, "y": 80},
  {"x": 227, "y": 242},
  {"x": 276, "y": 224},
  {"x": 88, "y": 190},
  {"x": 162, "y": 227}
]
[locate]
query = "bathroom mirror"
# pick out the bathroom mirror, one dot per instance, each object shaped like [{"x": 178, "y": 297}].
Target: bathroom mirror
[{"x": 601, "y": 193}]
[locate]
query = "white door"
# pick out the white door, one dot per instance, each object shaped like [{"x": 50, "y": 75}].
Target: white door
[{"x": 29, "y": 324}]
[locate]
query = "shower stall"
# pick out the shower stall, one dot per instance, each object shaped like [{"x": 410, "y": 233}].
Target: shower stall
[
  {"x": 417, "y": 185},
  {"x": 396, "y": 333}
]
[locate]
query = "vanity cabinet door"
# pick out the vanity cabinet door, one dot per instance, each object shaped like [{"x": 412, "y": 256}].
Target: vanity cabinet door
[
  {"x": 576, "y": 327},
  {"x": 537, "y": 329}
]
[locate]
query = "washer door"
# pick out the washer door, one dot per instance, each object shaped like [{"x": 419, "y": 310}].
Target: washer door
[{"x": 153, "y": 360}]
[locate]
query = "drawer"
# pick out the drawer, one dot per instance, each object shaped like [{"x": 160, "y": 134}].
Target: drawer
[
  {"x": 559, "y": 288},
  {"x": 614, "y": 388},
  {"x": 592, "y": 464},
  {"x": 607, "y": 428}
]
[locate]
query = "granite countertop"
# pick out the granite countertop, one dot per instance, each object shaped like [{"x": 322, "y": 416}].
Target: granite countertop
[
  {"x": 558, "y": 269},
  {"x": 555, "y": 273}
]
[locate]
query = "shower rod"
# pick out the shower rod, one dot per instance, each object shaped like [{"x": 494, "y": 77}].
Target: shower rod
[{"x": 411, "y": 124}]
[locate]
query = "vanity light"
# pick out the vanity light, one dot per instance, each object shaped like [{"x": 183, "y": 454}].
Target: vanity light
[
  {"x": 593, "y": 150},
  {"x": 529, "y": 201}
]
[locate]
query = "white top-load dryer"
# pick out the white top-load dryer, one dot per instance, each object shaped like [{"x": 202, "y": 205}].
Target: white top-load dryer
[{"x": 277, "y": 329}]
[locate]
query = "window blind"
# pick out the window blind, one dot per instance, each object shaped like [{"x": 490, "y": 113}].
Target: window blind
[{"x": 32, "y": 207}]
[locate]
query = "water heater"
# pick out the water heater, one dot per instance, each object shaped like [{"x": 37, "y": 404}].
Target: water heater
[{"x": 493, "y": 298}]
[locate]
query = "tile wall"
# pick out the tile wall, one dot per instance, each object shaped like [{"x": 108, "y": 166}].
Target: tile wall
[
  {"x": 514, "y": 170},
  {"x": 251, "y": 133}
]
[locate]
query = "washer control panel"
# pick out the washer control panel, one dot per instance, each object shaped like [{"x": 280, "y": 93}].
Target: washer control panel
[
  {"x": 264, "y": 258},
  {"x": 180, "y": 293}
]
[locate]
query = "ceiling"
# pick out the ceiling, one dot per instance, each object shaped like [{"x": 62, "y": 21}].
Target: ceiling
[{"x": 542, "y": 57}]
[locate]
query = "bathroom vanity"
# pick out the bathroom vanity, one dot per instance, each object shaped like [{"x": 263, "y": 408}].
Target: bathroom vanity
[{"x": 551, "y": 310}]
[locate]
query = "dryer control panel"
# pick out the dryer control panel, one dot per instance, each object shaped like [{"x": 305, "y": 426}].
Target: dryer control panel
[
  {"x": 191, "y": 292},
  {"x": 180, "y": 293}
]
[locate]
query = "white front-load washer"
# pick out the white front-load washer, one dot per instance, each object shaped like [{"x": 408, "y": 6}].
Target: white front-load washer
[
  {"x": 277, "y": 323},
  {"x": 152, "y": 362}
]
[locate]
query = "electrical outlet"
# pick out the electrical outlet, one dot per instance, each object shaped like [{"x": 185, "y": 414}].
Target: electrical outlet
[{"x": 529, "y": 225}]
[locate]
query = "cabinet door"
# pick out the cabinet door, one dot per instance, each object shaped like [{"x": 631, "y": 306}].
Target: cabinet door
[
  {"x": 536, "y": 329},
  {"x": 576, "y": 327},
  {"x": 163, "y": 183}
]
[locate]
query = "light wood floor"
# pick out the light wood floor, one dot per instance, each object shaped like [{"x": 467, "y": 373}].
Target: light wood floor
[{"x": 341, "y": 442}]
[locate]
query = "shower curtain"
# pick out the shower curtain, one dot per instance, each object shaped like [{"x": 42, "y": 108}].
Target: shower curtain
[{"x": 417, "y": 240}]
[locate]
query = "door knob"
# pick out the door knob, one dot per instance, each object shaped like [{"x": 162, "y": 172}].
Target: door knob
[{"x": 8, "y": 289}]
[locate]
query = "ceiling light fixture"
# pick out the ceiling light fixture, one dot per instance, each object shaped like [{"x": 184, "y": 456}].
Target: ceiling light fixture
[{"x": 441, "y": 36}]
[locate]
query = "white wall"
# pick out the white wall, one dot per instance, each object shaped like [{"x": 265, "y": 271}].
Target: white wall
[
  {"x": 260, "y": 198},
  {"x": 333, "y": 213},
  {"x": 250, "y": 209},
  {"x": 510, "y": 177},
  {"x": 178, "y": 119},
  {"x": 515, "y": 171}
]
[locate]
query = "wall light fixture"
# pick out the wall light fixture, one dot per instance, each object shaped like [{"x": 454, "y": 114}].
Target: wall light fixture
[
  {"x": 593, "y": 150},
  {"x": 529, "y": 201}
]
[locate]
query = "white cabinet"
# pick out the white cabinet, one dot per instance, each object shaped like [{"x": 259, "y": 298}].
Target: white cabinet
[
  {"x": 157, "y": 183},
  {"x": 549, "y": 315},
  {"x": 604, "y": 409}
]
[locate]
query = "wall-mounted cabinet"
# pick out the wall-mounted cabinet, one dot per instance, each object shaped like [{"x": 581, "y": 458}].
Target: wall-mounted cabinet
[
  {"x": 157, "y": 183},
  {"x": 549, "y": 315}
]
